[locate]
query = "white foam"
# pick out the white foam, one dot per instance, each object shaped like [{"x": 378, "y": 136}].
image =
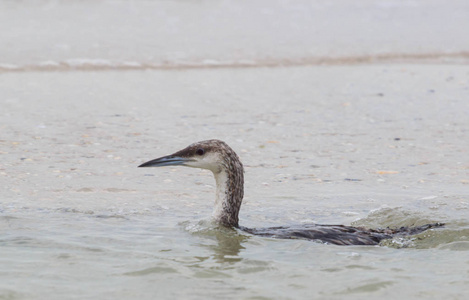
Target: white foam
[
  {"x": 131, "y": 64},
  {"x": 80, "y": 62},
  {"x": 49, "y": 63},
  {"x": 9, "y": 66}
]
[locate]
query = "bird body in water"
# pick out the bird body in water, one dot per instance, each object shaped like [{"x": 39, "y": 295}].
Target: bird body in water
[{"x": 218, "y": 157}]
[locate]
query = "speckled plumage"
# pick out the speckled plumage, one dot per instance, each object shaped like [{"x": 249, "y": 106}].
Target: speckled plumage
[
  {"x": 217, "y": 156},
  {"x": 234, "y": 187}
]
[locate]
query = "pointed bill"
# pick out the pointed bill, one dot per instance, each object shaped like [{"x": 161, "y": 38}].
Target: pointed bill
[{"x": 169, "y": 160}]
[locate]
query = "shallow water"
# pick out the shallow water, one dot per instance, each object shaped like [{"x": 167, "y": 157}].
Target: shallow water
[
  {"x": 366, "y": 145},
  {"x": 80, "y": 255},
  {"x": 80, "y": 220}
]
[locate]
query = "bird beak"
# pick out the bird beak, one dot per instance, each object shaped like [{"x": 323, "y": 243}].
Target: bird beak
[{"x": 169, "y": 160}]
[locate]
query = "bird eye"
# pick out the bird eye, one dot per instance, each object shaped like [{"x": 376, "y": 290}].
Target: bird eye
[{"x": 200, "y": 151}]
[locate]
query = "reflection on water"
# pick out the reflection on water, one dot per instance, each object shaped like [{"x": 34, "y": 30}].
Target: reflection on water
[
  {"x": 202, "y": 255},
  {"x": 228, "y": 246},
  {"x": 225, "y": 243}
]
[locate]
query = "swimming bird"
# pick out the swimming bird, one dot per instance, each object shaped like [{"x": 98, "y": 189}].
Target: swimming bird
[{"x": 218, "y": 157}]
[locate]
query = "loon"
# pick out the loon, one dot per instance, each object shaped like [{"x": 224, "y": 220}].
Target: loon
[{"x": 218, "y": 157}]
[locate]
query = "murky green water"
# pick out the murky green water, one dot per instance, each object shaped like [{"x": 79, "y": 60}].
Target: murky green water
[{"x": 61, "y": 254}]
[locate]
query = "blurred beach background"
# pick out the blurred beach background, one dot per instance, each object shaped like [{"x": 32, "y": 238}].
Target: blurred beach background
[{"x": 345, "y": 112}]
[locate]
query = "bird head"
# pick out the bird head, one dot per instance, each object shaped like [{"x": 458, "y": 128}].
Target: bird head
[{"x": 208, "y": 155}]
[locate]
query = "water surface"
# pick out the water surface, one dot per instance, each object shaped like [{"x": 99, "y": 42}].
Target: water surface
[{"x": 362, "y": 142}]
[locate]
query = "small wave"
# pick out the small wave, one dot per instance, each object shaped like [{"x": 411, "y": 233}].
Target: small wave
[
  {"x": 99, "y": 64},
  {"x": 152, "y": 270},
  {"x": 456, "y": 246},
  {"x": 454, "y": 235},
  {"x": 394, "y": 218}
]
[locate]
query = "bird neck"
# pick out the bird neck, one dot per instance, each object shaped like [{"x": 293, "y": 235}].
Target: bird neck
[{"x": 229, "y": 195}]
